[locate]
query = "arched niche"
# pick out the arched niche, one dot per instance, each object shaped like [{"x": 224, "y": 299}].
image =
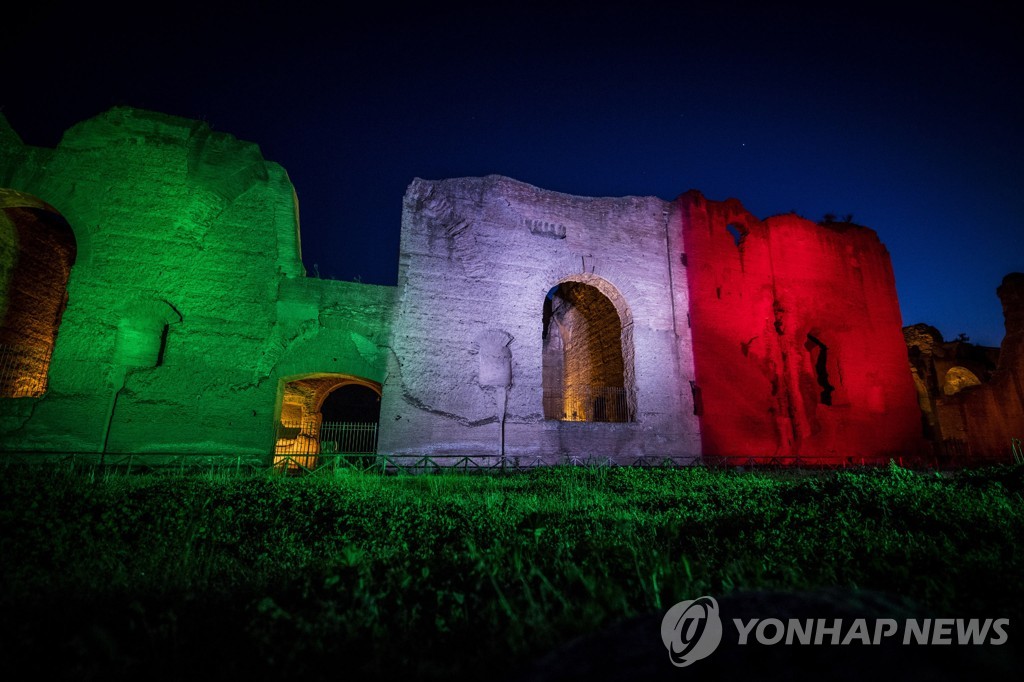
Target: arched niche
[
  {"x": 587, "y": 347},
  {"x": 325, "y": 413},
  {"x": 37, "y": 251},
  {"x": 957, "y": 379}
]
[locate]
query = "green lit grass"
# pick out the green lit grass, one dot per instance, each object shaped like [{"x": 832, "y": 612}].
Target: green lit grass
[{"x": 127, "y": 575}]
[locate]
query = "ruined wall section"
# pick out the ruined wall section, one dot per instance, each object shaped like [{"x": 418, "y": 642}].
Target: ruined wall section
[
  {"x": 328, "y": 326},
  {"x": 986, "y": 412},
  {"x": 797, "y": 337},
  {"x": 478, "y": 256},
  {"x": 941, "y": 369},
  {"x": 15, "y": 156},
  {"x": 172, "y": 300}
]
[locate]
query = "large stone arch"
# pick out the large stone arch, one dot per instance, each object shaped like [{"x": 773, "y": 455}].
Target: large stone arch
[
  {"x": 588, "y": 352},
  {"x": 37, "y": 251}
]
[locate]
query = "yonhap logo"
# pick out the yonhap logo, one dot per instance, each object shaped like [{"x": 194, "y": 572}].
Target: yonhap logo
[{"x": 691, "y": 630}]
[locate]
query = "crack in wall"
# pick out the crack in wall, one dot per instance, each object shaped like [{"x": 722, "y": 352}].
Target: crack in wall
[{"x": 420, "y": 405}]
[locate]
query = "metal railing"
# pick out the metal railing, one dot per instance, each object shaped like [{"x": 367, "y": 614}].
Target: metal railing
[
  {"x": 302, "y": 447},
  {"x": 389, "y": 464},
  {"x": 140, "y": 462},
  {"x": 587, "y": 404}
]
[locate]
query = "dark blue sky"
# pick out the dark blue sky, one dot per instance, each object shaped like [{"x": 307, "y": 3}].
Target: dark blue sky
[{"x": 909, "y": 119}]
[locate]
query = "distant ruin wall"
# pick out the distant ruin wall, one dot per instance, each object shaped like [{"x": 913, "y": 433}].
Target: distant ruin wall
[
  {"x": 973, "y": 397},
  {"x": 796, "y": 337}
]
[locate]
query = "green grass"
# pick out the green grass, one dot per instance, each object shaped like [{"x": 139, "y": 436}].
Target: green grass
[{"x": 151, "y": 575}]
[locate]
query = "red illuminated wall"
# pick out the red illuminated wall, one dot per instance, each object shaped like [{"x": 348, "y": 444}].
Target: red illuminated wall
[{"x": 765, "y": 390}]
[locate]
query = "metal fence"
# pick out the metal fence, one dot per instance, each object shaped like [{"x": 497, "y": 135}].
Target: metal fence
[
  {"x": 23, "y": 372},
  {"x": 330, "y": 464},
  {"x": 303, "y": 447},
  {"x": 587, "y": 404},
  {"x": 139, "y": 462}
]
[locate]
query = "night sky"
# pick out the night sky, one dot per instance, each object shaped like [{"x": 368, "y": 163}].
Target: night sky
[{"x": 911, "y": 121}]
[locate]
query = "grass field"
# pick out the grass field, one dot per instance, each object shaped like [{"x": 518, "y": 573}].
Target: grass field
[{"x": 200, "y": 576}]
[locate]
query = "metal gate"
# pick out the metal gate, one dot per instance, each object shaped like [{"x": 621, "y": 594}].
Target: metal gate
[
  {"x": 299, "y": 446},
  {"x": 586, "y": 403}
]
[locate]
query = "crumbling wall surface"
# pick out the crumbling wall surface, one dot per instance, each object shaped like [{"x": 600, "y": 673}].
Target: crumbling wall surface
[
  {"x": 989, "y": 414},
  {"x": 183, "y": 236},
  {"x": 15, "y": 156},
  {"x": 941, "y": 369},
  {"x": 330, "y": 327},
  {"x": 478, "y": 259},
  {"x": 927, "y": 352},
  {"x": 797, "y": 338}
]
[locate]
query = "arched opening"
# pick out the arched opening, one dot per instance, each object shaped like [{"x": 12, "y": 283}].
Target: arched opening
[
  {"x": 586, "y": 343},
  {"x": 351, "y": 403},
  {"x": 326, "y": 414},
  {"x": 957, "y": 379},
  {"x": 37, "y": 250}
]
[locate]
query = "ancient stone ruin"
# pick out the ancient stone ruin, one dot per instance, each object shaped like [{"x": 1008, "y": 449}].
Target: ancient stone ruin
[
  {"x": 155, "y": 302},
  {"x": 972, "y": 397}
]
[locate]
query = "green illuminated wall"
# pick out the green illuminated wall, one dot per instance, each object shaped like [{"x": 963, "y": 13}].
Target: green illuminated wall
[{"x": 188, "y": 302}]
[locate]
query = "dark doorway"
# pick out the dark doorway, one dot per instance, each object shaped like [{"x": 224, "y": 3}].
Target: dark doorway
[{"x": 352, "y": 403}]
